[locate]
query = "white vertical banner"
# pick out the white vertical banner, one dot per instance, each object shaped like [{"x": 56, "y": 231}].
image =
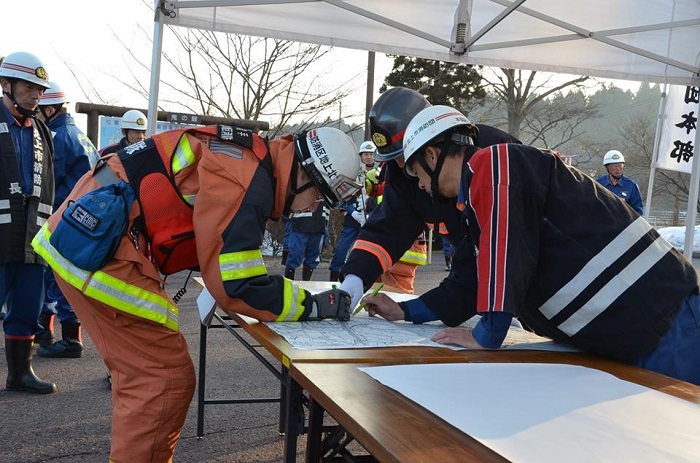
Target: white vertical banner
[{"x": 678, "y": 129}]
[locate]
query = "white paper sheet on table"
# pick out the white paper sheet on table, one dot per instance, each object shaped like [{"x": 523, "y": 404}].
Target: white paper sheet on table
[
  {"x": 206, "y": 306},
  {"x": 552, "y": 413}
]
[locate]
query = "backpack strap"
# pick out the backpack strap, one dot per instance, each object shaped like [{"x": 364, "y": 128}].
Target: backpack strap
[{"x": 104, "y": 174}]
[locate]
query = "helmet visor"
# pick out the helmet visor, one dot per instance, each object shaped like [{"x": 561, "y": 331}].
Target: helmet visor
[
  {"x": 345, "y": 189},
  {"x": 388, "y": 146}
]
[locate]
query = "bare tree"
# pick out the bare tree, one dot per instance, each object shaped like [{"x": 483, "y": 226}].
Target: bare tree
[
  {"x": 521, "y": 92},
  {"x": 244, "y": 77},
  {"x": 556, "y": 121}
]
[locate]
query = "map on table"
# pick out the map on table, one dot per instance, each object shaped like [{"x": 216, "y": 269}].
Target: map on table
[{"x": 363, "y": 331}]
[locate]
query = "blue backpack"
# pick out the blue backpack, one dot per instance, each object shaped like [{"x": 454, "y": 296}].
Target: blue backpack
[{"x": 91, "y": 227}]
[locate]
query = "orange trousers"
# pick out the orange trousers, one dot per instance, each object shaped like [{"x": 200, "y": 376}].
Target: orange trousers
[
  {"x": 153, "y": 379},
  {"x": 401, "y": 275}
]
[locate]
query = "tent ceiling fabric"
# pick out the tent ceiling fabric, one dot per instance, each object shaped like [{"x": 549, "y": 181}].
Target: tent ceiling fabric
[{"x": 642, "y": 40}]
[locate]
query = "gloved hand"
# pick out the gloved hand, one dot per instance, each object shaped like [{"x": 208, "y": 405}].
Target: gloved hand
[
  {"x": 352, "y": 284},
  {"x": 359, "y": 217},
  {"x": 334, "y": 303}
]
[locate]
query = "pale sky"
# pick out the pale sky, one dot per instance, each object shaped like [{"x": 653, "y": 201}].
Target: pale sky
[
  {"x": 77, "y": 39},
  {"x": 80, "y": 39}
]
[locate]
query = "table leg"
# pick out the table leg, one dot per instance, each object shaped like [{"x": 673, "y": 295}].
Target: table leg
[
  {"x": 284, "y": 417},
  {"x": 294, "y": 419},
  {"x": 201, "y": 379},
  {"x": 315, "y": 432}
]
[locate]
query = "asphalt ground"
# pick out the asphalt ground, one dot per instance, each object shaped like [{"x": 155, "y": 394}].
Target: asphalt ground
[{"x": 73, "y": 425}]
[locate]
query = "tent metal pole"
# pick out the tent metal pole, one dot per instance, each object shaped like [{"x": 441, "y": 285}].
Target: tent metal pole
[
  {"x": 155, "y": 70},
  {"x": 655, "y": 153}
]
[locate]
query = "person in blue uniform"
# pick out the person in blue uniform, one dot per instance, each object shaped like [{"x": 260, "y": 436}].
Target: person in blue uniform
[
  {"x": 74, "y": 155},
  {"x": 542, "y": 234},
  {"x": 355, "y": 214},
  {"x": 26, "y": 202},
  {"x": 305, "y": 237},
  {"x": 624, "y": 187}
]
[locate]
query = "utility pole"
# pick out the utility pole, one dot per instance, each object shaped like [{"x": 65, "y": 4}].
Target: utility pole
[{"x": 370, "y": 92}]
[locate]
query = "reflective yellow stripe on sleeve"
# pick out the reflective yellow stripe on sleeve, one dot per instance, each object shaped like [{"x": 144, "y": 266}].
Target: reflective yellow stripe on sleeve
[
  {"x": 106, "y": 288},
  {"x": 190, "y": 199},
  {"x": 293, "y": 306},
  {"x": 132, "y": 299},
  {"x": 73, "y": 275},
  {"x": 241, "y": 264},
  {"x": 183, "y": 155},
  {"x": 413, "y": 257}
]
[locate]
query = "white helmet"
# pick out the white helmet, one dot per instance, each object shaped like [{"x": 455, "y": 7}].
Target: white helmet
[
  {"x": 367, "y": 147},
  {"x": 429, "y": 124},
  {"x": 328, "y": 157},
  {"x": 613, "y": 157},
  {"x": 53, "y": 95},
  {"x": 24, "y": 66},
  {"x": 134, "y": 120}
]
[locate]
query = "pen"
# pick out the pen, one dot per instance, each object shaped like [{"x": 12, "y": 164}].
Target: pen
[{"x": 373, "y": 293}]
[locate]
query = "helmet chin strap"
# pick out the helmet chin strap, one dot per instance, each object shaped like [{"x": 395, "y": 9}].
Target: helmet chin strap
[
  {"x": 47, "y": 118},
  {"x": 24, "y": 112},
  {"x": 435, "y": 173},
  {"x": 295, "y": 190}
]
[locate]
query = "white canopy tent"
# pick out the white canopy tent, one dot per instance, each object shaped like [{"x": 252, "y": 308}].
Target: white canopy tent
[{"x": 643, "y": 40}]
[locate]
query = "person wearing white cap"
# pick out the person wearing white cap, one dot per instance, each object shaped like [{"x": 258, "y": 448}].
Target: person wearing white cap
[
  {"x": 624, "y": 187},
  {"x": 26, "y": 202},
  {"x": 133, "y": 125}
]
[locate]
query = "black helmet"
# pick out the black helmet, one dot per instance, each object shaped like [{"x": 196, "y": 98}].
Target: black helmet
[{"x": 389, "y": 117}]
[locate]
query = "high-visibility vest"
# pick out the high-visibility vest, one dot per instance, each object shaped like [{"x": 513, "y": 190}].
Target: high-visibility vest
[{"x": 167, "y": 209}]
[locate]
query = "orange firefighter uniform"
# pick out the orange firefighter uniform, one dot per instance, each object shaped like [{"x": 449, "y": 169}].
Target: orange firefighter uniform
[
  {"x": 402, "y": 274},
  {"x": 123, "y": 306}
]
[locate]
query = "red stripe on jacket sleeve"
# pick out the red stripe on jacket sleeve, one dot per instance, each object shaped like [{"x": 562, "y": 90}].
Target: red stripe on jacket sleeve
[{"x": 488, "y": 197}]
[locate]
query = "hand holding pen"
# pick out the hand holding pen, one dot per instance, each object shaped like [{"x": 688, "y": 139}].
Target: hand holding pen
[{"x": 372, "y": 292}]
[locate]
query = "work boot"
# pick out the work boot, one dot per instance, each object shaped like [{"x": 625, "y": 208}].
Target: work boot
[
  {"x": 306, "y": 273},
  {"x": 285, "y": 253},
  {"x": 20, "y": 375},
  {"x": 71, "y": 346},
  {"x": 289, "y": 273},
  {"x": 448, "y": 262},
  {"x": 335, "y": 276},
  {"x": 45, "y": 337}
]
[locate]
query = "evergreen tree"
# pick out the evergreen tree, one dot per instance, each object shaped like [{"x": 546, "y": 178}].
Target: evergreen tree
[{"x": 440, "y": 82}]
